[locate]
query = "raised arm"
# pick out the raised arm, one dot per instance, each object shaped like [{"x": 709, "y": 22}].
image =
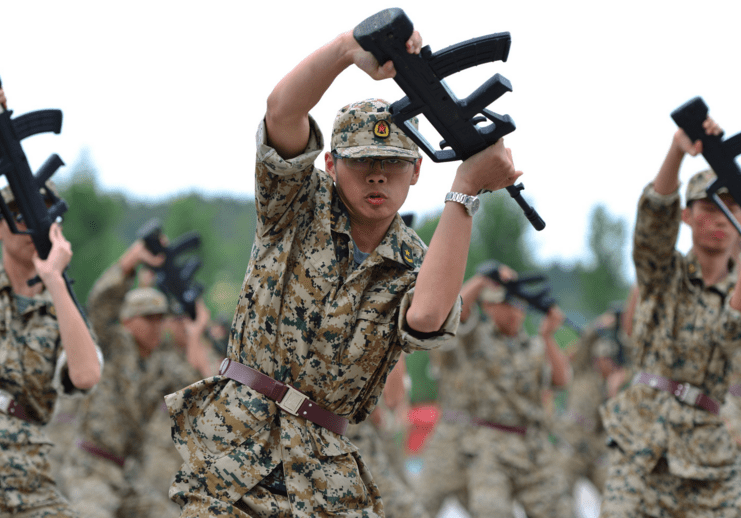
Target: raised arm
[
  {"x": 82, "y": 358},
  {"x": 441, "y": 275},
  {"x": 287, "y": 117}
]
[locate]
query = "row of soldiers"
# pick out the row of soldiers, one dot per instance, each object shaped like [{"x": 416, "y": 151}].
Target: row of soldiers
[{"x": 337, "y": 289}]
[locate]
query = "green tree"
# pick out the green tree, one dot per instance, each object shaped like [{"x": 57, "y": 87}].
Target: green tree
[
  {"x": 604, "y": 282},
  {"x": 89, "y": 226}
]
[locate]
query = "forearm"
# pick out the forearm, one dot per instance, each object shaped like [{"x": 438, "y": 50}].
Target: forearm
[
  {"x": 300, "y": 90},
  {"x": 667, "y": 179},
  {"x": 560, "y": 367},
  {"x": 82, "y": 356},
  {"x": 441, "y": 275}
]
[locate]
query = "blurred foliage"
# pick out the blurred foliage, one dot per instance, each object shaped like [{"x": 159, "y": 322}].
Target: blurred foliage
[{"x": 101, "y": 226}]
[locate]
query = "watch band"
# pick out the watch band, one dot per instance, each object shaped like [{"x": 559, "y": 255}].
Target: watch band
[{"x": 471, "y": 203}]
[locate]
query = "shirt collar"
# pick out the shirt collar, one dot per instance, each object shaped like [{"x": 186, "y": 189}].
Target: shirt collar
[
  {"x": 397, "y": 245},
  {"x": 695, "y": 274}
]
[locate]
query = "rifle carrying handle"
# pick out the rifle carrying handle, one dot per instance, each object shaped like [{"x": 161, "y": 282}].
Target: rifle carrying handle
[{"x": 390, "y": 24}]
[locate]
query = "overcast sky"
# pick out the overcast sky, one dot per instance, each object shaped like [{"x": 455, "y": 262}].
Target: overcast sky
[{"x": 166, "y": 95}]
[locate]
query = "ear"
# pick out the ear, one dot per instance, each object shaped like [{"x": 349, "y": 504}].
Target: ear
[
  {"x": 687, "y": 215},
  {"x": 329, "y": 165},
  {"x": 415, "y": 175}
]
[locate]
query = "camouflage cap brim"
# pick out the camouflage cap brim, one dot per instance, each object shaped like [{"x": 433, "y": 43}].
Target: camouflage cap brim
[{"x": 375, "y": 151}]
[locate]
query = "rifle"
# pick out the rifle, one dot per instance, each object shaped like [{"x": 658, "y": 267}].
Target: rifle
[
  {"x": 173, "y": 278},
  {"x": 421, "y": 78},
  {"x": 538, "y": 300},
  {"x": 719, "y": 154},
  {"x": 26, "y": 186}
]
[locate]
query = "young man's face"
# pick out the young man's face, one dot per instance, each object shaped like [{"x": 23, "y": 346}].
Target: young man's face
[
  {"x": 711, "y": 230},
  {"x": 373, "y": 192},
  {"x": 147, "y": 331},
  {"x": 507, "y": 317},
  {"x": 19, "y": 246}
]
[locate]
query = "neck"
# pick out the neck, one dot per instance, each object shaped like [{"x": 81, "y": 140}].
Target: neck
[
  {"x": 368, "y": 236},
  {"x": 19, "y": 273},
  {"x": 714, "y": 267}
]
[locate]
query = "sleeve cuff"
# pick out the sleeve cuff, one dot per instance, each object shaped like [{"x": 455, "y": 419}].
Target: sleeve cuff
[
  {"x": 660, "y": 199},
  {"x": 277, "y": 165},
  {"x": 62, "y": 382},
  {"x": 413, "y": 341}
]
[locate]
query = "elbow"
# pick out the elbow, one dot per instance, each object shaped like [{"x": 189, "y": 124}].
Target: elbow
[
  {"x": 85, "y": 379},
  {"x": 425, "y": 322}
]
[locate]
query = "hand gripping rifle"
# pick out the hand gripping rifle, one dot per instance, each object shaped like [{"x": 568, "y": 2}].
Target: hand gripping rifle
[
  {"x": 26, "y": 186},
  {"x": 538, "y": 300},
  {"x": 174, "y": 277},
  {"x": 421, "y": 78},
  {"x": 720, "y": 154}
]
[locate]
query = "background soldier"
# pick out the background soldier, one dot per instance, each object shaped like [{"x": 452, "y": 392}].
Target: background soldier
[
  {"x": 46, "y": 349},
  {"x": 491, "y": 444},
  {"x": 112, "y": 420},
  {"x": 671, "y": 453}
]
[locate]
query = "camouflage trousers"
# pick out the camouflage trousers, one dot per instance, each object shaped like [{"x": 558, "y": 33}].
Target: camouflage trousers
[
  {"x": 96, "y": 487},
  {"x": 487, "y": 469},
  {"x": 632, "y": 493},
  {"x": 153, "y": 474},
  {"x": 399, "y": 499},
  {"x": 27, "y": 488}
]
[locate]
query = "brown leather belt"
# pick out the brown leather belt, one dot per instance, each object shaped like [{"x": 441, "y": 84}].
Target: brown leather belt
[
  {"x": 100, "y": 452},
  {"x": 9, "y": 406},
  {"x": 287, "y": 398},
  {"x": 453, "y": 415},
  {"x": 684, "y": 392}
]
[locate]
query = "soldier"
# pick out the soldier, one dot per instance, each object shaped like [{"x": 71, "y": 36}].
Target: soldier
[
  {"x": 46, "y": 349},
  {"x": 600, "y": 353},
  {"x": 112, "y": 420},
  {"x": 491, "y": 445},
  {"x": 336, "y": 289},
  {"x": 670, "y": 452},
  {"x": 186, "y": 349},
  {"x": 377, "y": 441}
]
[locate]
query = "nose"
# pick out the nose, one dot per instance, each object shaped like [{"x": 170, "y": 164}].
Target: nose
[{"x": 376, "y": 173}]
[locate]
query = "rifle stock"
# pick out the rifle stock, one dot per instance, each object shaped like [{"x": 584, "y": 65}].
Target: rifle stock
[{"x": 175, "y": 277}]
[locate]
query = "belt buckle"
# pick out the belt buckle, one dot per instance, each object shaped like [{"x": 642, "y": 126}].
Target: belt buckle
[
  {"x": 685, "y": 392},
  {"x": 5, "y": 401},
  {"x": 292, "y": 401}
]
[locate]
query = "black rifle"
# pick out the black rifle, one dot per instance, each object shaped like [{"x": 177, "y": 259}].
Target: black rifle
[
  {"x": 719, "y": 154},
  {"x": 174, "y": 277},
  {"x": 26, "y": 186},
  {"x": 421, "y": 78},
  {"x": 539, "y": 300}
]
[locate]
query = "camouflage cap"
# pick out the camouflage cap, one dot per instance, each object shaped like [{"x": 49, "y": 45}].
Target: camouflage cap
[
  {"x": 8, "y": 197},
  {"x": 697, "y": 185},
  {"x": 493, "y": 295},
  {"x": 143, "y": 301},
  {"x": 605, "y": 347},
  {"x": 364, "y": 129}
]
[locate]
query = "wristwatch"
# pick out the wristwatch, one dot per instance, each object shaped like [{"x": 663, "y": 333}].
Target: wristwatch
[{"x": 470, "y": 202}]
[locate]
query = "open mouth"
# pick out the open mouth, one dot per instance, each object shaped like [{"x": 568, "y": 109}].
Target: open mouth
[{"x": 376, "y": 198}]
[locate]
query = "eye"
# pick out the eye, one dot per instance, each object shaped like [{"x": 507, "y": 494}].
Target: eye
[
  {"x": 393, "y": 161},
  {"x": 360, "y": 161}
]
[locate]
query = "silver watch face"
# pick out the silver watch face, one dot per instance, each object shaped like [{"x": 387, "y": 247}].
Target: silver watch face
[{"x": 473, "y": 206}]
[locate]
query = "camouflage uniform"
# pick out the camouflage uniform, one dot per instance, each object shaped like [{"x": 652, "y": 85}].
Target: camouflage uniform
[
  {"x": 33, "y": 371},
  {"x": 154, "y": 470},
  {"x": 488, "y": 376},
  {"x": 308, "y": 317},
  {"x": 671, "y": 457},
  {"x": 112, "y": 420},
  {"x": 385, "y": 461},
  {"x": 580, "y": 423}
]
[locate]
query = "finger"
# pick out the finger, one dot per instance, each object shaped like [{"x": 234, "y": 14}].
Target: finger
[{"x": 414, "y": 43}]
